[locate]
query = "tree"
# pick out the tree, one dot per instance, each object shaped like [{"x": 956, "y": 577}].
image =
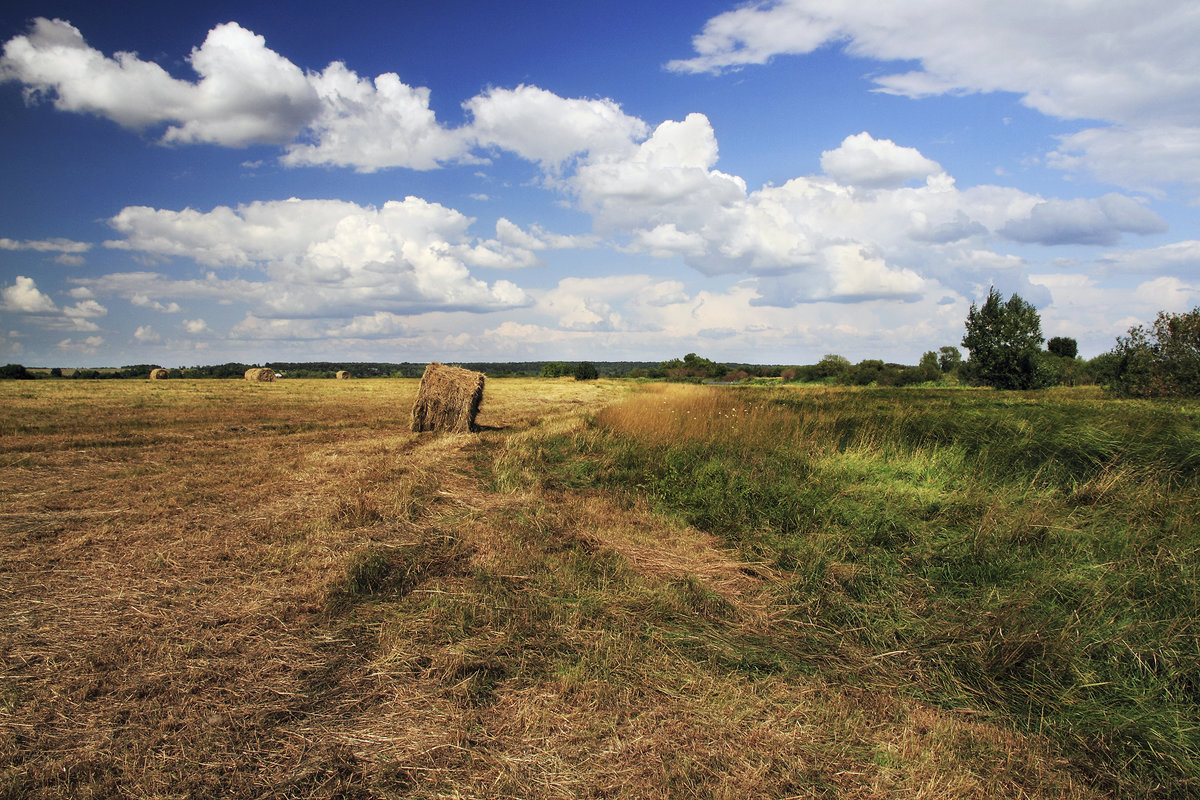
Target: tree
[
  {"x": 14, "y": 372},
  {"x": 586, "y": 371},
  {"x": 1063, "y": 347},
  {"x": 555, "y": 369},
  {"x": 949, "y": 358},
  {"x": 1005, "y": 341},
  {"x": 692, "y": 366},
  {"x": 831, "y": 365},
  {"x": 929, "y": 369},
  {"x": 1163, "y": 361}
]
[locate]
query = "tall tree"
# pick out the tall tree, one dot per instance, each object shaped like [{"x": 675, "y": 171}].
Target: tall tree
[{"x": 1004, "y": 339}]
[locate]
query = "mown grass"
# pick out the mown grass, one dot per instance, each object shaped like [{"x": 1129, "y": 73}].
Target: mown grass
[
  {"x": 213, "y": 588},
  {"x": 1031, "y": 557}
]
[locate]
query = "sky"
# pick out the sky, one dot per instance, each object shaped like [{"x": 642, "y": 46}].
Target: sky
[{"x": 186, "y": 184}]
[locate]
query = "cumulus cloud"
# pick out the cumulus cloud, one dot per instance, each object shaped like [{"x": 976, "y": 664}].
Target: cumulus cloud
[
  {"x": 85, "y": 309},
  {"x": 144, "y": 301},
  {"x": 321, "y": 255},
  {"x": 146, "y": 334},
  {"x": 88, "y": 346},
  {"x": 246, "y": 93},
  {"x": 374, "y": 124},
  {"x": 195, "y": 326},
  {"x": 876, "y": 163},
  {"x": 23, "y": 297},
  {"x": 1100, "y": 221},
  {"x": 540, "y": 126},
  {"x": 857, "y": 232},
  {"x": 666, "y": 177},
  {"x": 1106, "y": 60}
]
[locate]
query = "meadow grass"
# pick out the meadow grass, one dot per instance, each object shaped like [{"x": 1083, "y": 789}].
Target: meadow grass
[
  {"x": 215, "y": 588},
  {"x": 1029, "y": 556}
]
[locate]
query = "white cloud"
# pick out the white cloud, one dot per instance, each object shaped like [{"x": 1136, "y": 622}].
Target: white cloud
[
  {"x": 85, "y": 309},
  {"x": 195, "y": 326},
  {"x": 1177, "y": 258},
  {"x": 543, "y": 127},
  {"x": 1168, "y": 293},
  {"x": 143, "y": 301},
  {"x": 246, "y": 94},
  {"x": 862, "y": 160},
  {"x": 1108, "y": 60},
  {"x": 1100, "y": 221},
  {"x": 667, "y": 178},
  {"x": 371, "y": 125},
  {"x": 1142, "y": 157},
  {"x": 64, "y": 246},
  {"x": 323, "y": 255},
  {"x": 1105, "y": 59},
  {"x": 373, "y": 326},
  {"x": 88, "y": 346},
  {"x": 23, "y": 297},
  {"x": 146, "y": 334}
]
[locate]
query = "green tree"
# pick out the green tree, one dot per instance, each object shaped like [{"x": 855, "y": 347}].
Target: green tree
[
  {"x": 692, "y": 366},
  {"x": 586, "y": 371},
  {"x": 949, "y": 358},
  {"x": 1004, "y": 340},
  {"x": 14, "y": 372},
  {"x": 929, "y": 369},
  {"x": 1063, "y": 347},
  {"x": 831, "y": 365},
  {"x": 555, "y": 369},
  {"x": 1162, "y": 361}
]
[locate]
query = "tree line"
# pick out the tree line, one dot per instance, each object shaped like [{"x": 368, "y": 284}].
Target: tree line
[{"x": 1003, "y": 339}]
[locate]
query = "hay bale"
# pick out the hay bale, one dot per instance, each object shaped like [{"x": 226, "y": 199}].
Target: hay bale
[
  {"x": 159, "y": 374},
  {"x": 448, "y": 400},
  {"x": 260, "y": 374},
  {"x": 342, "y": 375}
]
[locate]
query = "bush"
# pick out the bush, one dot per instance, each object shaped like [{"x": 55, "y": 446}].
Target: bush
[
  {"x": 586, "y": 371},
  {"x": 1163, "y": 361}
]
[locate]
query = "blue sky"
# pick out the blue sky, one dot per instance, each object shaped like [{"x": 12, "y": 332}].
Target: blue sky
[{"x": 473, "y": 181}]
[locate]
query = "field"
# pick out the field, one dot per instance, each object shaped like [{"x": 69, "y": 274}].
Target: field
[{"x": 221, "y": 589}]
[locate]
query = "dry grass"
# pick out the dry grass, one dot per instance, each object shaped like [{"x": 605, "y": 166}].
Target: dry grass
[{"x": 213, "y": 591}]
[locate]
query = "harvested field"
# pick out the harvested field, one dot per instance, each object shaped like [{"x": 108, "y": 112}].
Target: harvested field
[{"x": 208, "y": 592}]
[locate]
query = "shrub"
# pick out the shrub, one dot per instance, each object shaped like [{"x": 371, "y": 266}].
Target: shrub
[{"x": 1163, "y": 361}]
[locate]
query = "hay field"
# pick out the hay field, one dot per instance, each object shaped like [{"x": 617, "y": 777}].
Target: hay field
[{"x": 227, "y": 589}]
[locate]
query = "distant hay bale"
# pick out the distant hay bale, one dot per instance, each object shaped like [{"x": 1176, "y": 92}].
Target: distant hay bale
[
  {"x": 159, "y": 374},
  {"x": 448, "y": 400},
  {"x": 260, "y": 374},
  {"x": 342, "y": 375}
]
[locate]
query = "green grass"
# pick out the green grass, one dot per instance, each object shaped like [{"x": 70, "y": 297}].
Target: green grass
[{"x": 1030, "y": 556}]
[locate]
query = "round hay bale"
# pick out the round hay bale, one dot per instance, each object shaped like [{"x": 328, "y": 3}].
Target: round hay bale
[
  {"x": 342, "y": 375},
  {"x": 260, "y": 374},
  {"x": 159, "y": 374},
  {"x": 447, "y": 400}
]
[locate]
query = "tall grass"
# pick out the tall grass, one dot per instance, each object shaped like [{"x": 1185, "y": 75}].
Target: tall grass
[{"x": 1030, "y": 556}]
